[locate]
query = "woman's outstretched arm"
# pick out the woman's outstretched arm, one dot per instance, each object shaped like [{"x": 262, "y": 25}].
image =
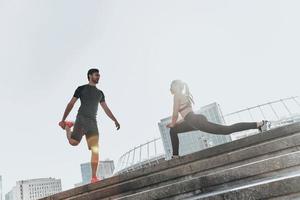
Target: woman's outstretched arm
[{"x": 176, "y": 104}]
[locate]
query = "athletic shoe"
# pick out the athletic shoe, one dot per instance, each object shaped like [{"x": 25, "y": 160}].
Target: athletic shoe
[
  {"x": 175, "y": 156},
  {"x": 69, "y": 124},
  {"x": 95, "y": 179},
  {"x": 265, "y": 126}
]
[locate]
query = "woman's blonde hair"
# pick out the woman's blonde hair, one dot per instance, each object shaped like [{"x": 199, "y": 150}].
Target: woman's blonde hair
[{"x": 184, "y": 87}]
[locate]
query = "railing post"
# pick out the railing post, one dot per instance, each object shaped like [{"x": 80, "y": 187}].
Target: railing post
[
  {"x": 286, "y": 107},
  {"x": 127, "y": 159},
  {"x": 155, "y": 147},
  {"x": 294, "y": 98},
  {"x": 140, "y": 153},
  {"x": 274, "y": 111},
  {"x": 262, "y": 112},
  {"x": 148, "y": 154},
  {"x": 132, "y": 162},
  {"x": 250, "y": 114}
]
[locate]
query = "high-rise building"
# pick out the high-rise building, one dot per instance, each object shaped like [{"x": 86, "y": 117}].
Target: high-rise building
[
  {"x": 105, "y": 170},
  {"x": 193, "y": 141},
  {"x": 11, "y": 195},
  {"x": 34, "y": 189}
]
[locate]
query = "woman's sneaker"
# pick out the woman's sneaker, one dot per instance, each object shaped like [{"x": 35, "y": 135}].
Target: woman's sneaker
[{"x": 265, "y": 126}]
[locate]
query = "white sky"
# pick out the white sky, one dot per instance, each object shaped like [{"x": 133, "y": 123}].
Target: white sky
[{"x": 237, "y": 53}]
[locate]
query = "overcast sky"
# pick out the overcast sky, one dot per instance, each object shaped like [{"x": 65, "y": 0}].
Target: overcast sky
[{"x": 237, "y": 53}]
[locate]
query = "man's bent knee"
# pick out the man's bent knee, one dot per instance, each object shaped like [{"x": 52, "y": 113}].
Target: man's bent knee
[{"x": 73, "y": 142}]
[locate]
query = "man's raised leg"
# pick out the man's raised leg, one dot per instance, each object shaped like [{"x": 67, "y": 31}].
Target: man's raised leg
[{"x": 69, "y": 133}]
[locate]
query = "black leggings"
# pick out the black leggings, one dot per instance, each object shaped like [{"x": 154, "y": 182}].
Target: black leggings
[{"x": 194, "y": 121}]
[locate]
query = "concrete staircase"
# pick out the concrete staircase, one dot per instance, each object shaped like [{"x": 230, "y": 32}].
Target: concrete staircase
[{"x": 262, "y": 166}]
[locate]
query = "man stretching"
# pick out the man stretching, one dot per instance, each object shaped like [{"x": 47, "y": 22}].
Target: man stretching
[{"x": 86, "y": 123}]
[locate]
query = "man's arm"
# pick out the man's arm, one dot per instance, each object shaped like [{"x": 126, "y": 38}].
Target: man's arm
[
  {"x": 70, "y": 105},
  {"x": 109, "y": 114},
  {"x": 68, "y": 110}
]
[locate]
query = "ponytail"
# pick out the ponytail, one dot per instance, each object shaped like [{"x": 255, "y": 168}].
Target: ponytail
[{"x": 188, "y": 94}]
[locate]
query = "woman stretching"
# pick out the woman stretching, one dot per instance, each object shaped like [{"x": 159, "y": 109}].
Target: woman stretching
[{"x": 183, "y": 104}]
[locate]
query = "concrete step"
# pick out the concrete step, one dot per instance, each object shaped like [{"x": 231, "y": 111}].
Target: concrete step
[
  {"x": 255, "y": 170},
  {"x": 195, "y": 170},
  {"x": 294, "y": 196},
  {"x": 276, "y": 142},
  {"x": 279, "y": 186}
]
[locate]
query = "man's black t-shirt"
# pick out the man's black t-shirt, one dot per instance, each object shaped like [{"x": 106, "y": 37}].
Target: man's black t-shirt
[{"x": 89, "y": 96}]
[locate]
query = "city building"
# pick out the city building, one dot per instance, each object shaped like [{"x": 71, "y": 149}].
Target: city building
[
  {"x": 34, "y": 189},
  {"x": 11, "y": 195},
  {"x": 105, "y": 170}
]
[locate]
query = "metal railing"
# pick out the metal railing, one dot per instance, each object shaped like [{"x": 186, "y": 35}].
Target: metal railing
[
  {"x": 279, "y": 113},
  {"x": 284, "y": 103},
  {"x": 139, "y": 156}
]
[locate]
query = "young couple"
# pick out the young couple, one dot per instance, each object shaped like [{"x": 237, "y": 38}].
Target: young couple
[{"x": 90, "y": 97}]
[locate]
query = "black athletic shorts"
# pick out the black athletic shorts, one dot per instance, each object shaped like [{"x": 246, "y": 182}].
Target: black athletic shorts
[{"x": 84, "y": 126}]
